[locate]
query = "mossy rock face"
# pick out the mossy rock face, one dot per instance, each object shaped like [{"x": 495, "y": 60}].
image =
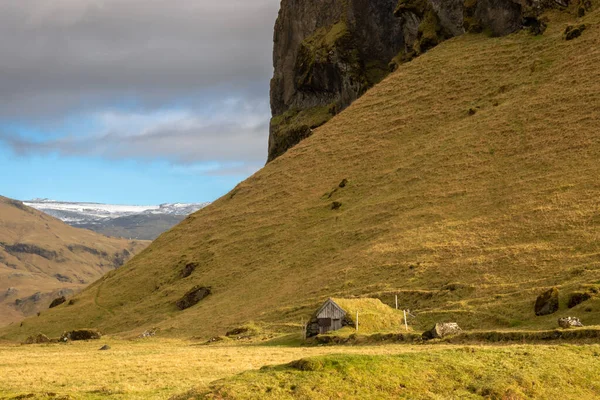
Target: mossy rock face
[
  {"x": 327, "y": 54},
  {"x": 547, "y": 303}
]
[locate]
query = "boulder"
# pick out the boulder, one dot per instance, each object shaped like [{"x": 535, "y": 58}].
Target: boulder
[
  {"x": 569, "y": 322},
  {"x": 442, "y": 330},
  {"x": 192, "y": 297},
  {"x": 547, "y": 302},
  {"x": 104, "y": 348},
  {"x": 57, "y": 302}
]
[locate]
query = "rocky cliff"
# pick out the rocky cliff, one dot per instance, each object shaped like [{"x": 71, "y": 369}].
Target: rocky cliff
[{"x": 327, "y": 53}]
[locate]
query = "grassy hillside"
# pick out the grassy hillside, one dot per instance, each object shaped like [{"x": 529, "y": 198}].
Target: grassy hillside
[
  {"x": 472, "y": 186},
  {"x": 42, "y": 258}
]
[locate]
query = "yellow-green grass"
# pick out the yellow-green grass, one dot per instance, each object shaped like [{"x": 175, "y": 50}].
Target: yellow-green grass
[
  {"x": 142, "y": 369},
  {"x": 466, "y": 217},
  {"x": 509, "y": 373},
  {"x": 160, "y": 369}
]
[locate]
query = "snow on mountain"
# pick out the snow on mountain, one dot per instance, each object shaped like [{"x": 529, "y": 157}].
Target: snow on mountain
[{"x": 90, "y": 212}]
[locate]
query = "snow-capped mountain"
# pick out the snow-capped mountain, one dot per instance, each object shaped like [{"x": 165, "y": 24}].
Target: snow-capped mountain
[{"x": 140, "y": 222}]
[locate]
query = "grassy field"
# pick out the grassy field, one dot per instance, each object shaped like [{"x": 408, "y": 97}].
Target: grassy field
[
  {"x": 472, "y": 187},
  {"x": 162, "y": 369},
  {"x": 140, "y": 369}
]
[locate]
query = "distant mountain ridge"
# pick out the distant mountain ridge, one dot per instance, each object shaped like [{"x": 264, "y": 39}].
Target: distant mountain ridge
[
  {"x": 144, "y": 222},
  {"x": 42, "y": 258}
]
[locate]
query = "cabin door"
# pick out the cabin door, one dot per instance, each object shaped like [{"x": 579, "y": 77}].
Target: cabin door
[{"x": 324, "y": 325}]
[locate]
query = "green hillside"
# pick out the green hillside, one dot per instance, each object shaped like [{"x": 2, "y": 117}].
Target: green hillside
[{"x": 472, "y": 186}]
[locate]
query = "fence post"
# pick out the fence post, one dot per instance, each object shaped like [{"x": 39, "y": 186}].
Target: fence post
[
  {"x": 405, "y": 322},
  {"x": 357, "y": 321},
  {"x": 303, "y": 329}
]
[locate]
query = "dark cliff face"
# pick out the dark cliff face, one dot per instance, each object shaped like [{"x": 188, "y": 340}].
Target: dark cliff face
[{"x": 327, "y": 53}]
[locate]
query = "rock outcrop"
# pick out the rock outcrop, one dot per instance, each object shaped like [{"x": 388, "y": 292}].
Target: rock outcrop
[
  {"x": 327, "y": 53},
  {"x": 57, "y": 301},
  {"x": 80, "y": 334},
  {"x": 38, "y": 339},
  {"x": 193, "y": 297},
  {"x": 547, "y": 302},
  {"x": 577, "y": 298}
]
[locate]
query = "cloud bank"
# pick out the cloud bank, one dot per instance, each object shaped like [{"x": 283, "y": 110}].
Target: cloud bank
[{"x": 183, "y": 80}]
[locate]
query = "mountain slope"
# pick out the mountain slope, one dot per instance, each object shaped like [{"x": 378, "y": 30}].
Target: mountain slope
[
  {"x": 472, "y": 186},
  {"x": 42, "y": 258}
]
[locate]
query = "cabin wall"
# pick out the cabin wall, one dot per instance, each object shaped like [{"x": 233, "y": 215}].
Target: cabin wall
[
  {"x": 331, "y": 311},
  {"x": 328, "y": 318}
]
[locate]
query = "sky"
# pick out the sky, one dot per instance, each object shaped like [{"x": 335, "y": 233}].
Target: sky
[{"x": 133, "y": 101}]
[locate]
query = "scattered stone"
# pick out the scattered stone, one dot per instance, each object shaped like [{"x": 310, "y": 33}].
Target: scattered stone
[
  {"x": 472, "y": 111},
  {"x": 57, "y": 302},
  {"x": 214, "y": 339},
  {"x": 192, "y": 297},
  {"x": 577, "y": 298},
  {"x": 547, "y": 302},
  {"x": 343, "y": 183},
  {"x": 148, "y": 333},
  {"x": 39, "y": 338},
  {"x": 104, "y": 348},
  {"x": 442, "y": 330},
  {"x": 336, "y": 205},
  {"x": 573, "y": 32},
  {"x": 71, "y": 302},
  {"x": 569, "y": 322},
  {"x": 80, "y": 334},
  {"x": 188, "y": 269}
]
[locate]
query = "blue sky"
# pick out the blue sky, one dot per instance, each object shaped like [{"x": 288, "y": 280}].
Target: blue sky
[{"x": 133, "y": 101}]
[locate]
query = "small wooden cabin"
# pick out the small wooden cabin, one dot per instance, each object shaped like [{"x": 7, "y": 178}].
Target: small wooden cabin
[{"x": 330, "y": 317}]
